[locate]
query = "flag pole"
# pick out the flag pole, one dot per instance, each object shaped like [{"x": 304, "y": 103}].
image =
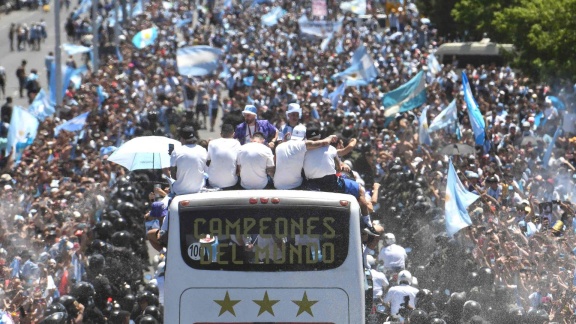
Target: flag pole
[
  {"x": 58, "y": 57},
  {"x": 95, "y": 41}
]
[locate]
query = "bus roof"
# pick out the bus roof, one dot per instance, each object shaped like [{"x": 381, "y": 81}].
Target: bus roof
[
  {"x": 253, "y": 197},
  {"x": 484, "y": 48}
]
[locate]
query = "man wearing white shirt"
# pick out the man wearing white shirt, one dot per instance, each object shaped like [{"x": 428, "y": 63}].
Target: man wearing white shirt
[
  {"x": 221, "y": 161},
  {"x": 255, "y": 163},
  {"x": 290, "y": 157},
  {"x": 398, "y": 295},
  {"x": 188, "y": 163},
  {"x": 392, "y": 255},
  {"x": 320, "y": 165}
]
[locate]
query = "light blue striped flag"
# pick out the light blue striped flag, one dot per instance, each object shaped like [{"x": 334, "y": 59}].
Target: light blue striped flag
[
  {"x": 22, "y": 131},
  {"x": 548, "y": 153},
  {"x": 340, "y": 46},
  {"x": 433, "y": 65},
  {"x": 456, "y": 202},
  {"x": 145, "y": 38},
  {"x": 556, "y": 102},
  {"x": 248, "y": 81},
  {"x": 102, "y": 95},
  {"x": 41, "y": 106},
  {"x": 271, "y": 18},
  {"x": 423, "y": 135},
  {"x": 476, "y": 118},
  {"x": 445, "y": 118},
  {"x": 337, "y": 94},
  {"x": 361, "y": 71},
  {"x": 197, "y": 60},
  {"x": 85, "y": 6},
  {"x": 408, "y": 96},
  {"x": 72, "y": 49},
  {"x": 325, "y": 42},
  {"x": 73, "y": 125},
  {"x": 76, "y": 76},
  {"x": 67, "y": 73},
  {"x": 182, "y": 22}
]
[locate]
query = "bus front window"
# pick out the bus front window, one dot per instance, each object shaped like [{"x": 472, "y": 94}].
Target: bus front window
[{"x": 264, "y": 238}]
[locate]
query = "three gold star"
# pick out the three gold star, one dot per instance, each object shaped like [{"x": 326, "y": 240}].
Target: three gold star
[
  {"x": 305, "y": 305},
  {"x": 266, "y": 304},
  {"x": 227, "y": 305}
]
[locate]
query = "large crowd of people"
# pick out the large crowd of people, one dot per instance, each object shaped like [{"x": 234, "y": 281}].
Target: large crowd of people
[{"x": 72, "y": 221}]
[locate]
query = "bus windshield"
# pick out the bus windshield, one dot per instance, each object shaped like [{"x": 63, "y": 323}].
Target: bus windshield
[{"x": 264, "y": 238}]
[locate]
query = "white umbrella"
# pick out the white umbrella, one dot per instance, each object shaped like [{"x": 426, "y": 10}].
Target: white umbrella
[{"x": 144, "y": 153}]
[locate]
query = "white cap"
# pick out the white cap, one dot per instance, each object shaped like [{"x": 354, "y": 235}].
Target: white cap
[
  {"x": 292, "y": 108},
  {"x": 298, "y": 133}
]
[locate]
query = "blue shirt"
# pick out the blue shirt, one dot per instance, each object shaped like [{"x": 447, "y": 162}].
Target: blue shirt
[{"x": 263, "y": 126}]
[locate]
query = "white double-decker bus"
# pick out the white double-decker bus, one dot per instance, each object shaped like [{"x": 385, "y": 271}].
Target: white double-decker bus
[{"x": 264, "y": 256}]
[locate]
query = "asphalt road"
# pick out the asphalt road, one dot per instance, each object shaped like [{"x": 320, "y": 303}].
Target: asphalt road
[{"x": 11, "y": 60}]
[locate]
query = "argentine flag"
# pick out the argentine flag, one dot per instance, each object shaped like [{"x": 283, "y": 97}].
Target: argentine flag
[
  {"x": 474, "y": 114},
  {"x": 355, "y": 6},
  {"x": 446, "y": 118},
  {"x": 73, "y": 125},
  {"x": 72, "y": 49},
  {"x": 270, "y": 19},
  {"x": 361, "y": 71},
  {"x": 423, "y": 135},
  {"x": 41, "y": 106},
  {"x": 456, "y": 202},
  {"x": 197, "y": 60},
  {"x": 22, "y": 131},
  {"x": 145, "y": 37},
  {"x": 408, "y": 96}
]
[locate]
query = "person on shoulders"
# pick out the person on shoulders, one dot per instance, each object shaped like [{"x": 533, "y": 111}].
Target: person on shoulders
[{"x": 245, "y": 131}]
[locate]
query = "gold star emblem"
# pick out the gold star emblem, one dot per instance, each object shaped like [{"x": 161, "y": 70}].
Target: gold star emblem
[
  {"x": 266, "y": 304},
  {"x": 305, "y": 305},
  {"x": 447, "y": 198},
  {"x": 227, "y": 305}
]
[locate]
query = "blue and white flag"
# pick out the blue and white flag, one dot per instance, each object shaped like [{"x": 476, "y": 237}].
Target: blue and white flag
[
  {"x": 433, "y": 65},
  {"x": 22, "y": 131},
  {"x": 197, "y": 60},
  {"x": 548, "y": 153},
  {"x": 41, "y": 106},
  {"x": 337, "y": 94},
  {"x": 456, "y": 202},
  {"x": 76, "y": 76},
  {"x": 85, "y": 6},
  {"x": 355, "y": 6},
  {"x": 67, "y": 73},
  {"x": 423, "y": 135},
  {"x": 271, "y": 18},
  {"x": 361, "y": 71},
  {"x": 119, "y": 54},
  {"x": 182, "y": 22},
  {"x": 325, "y": 42},
  {"x": 340, "y": 46},
  {"x": 73, "y": 125},
  {"x": 72, "y": 49},
  {"x": 476, "y": 118},
  {"x": 102, "y": 95},
  {"x": 408, "y": 96},
  {"x": 556, "y": 102},
  {"x": 145, "y": 38},
  {"x": 319, "y": 28},
  {"x": 138, "y": 9},
  {"x": 248, "y": 81},
  {"x": 445, "y": 118}
]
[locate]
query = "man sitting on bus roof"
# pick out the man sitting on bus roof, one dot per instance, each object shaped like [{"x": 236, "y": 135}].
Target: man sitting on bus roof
[
  {"x": 187, "y": 164},
  {"x": 245, "y": 131},
  {"x": 321, "y": 165},
  {"x": 290, "y": 157},
  {"x": 256, "y": 164},
  {"x": 222, "y": 156}
]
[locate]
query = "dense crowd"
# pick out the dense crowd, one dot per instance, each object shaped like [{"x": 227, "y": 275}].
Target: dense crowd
[{"x": 72, "y": 220}]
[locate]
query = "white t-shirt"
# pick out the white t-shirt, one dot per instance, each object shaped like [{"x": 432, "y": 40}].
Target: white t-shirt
[
  {"x": 222, "y": 153},
  {"x": 319, "y": 163},
  {"x": 379, "y": 282},
  {"x": 250, "y": 130},
  {"x": 190, "y": 161},
  {"x": 395, "y": 297},
  {"x": 393, "y": 256},
  {"x": 253, "y": 159},
  {"x": 289, "y": 163}
]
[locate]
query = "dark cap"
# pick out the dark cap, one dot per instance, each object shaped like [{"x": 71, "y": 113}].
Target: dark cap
[
  {"x": 312, "y": 132},
  {"x": 186, "y": 132}
]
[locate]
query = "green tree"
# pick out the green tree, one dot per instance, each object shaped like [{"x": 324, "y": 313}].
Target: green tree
[
  {"x": 475, "y": 17},
  {"x": 439, "y": 13},
  {"x": 544, "y": 33}
]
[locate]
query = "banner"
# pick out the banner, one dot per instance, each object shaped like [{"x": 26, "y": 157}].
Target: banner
[
  {"x": 197, "y": 60},
  {"x": 319, "y": 28},
  {"x": 319, "y": 8}
]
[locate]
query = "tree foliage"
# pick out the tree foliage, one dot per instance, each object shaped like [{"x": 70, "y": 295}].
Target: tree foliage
[
  {"x": 439, "y": 13},
  {"x": 475, "y": 17},
  {"x": 544, "y": 33}
]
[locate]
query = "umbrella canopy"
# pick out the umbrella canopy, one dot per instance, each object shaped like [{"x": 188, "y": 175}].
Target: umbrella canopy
[
  {"x": 457, "y": 149},
  {"x": 144, "y": 153},
  {"x": 530, "y": 140}
]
